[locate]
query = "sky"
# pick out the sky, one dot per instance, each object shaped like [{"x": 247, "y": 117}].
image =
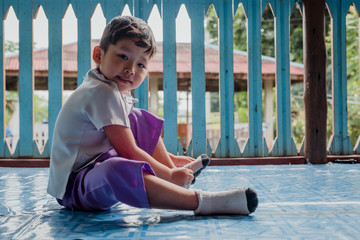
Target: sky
[{"x": 11, "y": 26}]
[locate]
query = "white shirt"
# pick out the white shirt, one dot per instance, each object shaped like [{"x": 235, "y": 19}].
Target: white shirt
[{"x": 78, "y": 134}]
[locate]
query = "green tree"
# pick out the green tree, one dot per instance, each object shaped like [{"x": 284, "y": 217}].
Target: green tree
[
  {"x": 40, "y": 108},
  {"x": 11, "y": 46},
  {"x": 352, "y": 61}
]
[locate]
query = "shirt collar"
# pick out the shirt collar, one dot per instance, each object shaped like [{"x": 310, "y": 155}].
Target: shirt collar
[
  {"x": 100, "y": 77},
  {"x": 127, "y": 96}
]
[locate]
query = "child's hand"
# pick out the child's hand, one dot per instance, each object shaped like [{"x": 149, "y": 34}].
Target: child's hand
[
  {"x": 181, "y": 176},
  {"x": 180, "y": 161}
]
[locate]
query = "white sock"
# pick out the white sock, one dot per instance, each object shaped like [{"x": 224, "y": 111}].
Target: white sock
[
  {"x": 233, "y": 201},
  {"x": 197, "y": 166}
]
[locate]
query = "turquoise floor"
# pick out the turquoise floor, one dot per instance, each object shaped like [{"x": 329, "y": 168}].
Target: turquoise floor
[{"x": 295, "y": 202}]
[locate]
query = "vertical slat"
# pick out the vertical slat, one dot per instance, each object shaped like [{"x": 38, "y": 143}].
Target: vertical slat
[
  {"x": 36, "y": 150},
  {"x": 340, "y": 142},
  {"x": 26, "y": 79},
  {"x": 55, "y": 78},
  {"x": 112, "y": 8},
  {"x": 169, "y": 9},
  {"x": 83, "y": 11},
  {"x": 196, "y": 10},
  {"x": 228, "y": 146},
  {"x": 2, "y": 83},
  {"x": 255, "y": 145},
  {"x": 142, "y": 92},
  {"x": 130, "y": 4},
  {"x": 284, "y": 144}
]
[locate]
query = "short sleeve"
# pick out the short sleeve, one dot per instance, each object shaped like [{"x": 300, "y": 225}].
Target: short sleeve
[{"x": 108, "y": 109}]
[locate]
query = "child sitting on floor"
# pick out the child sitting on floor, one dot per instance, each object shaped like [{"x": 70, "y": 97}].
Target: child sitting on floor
[{"x": 104, "y": 151}]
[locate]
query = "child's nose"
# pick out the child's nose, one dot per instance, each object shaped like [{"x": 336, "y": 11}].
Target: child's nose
[{"x": 129, "y": 68}]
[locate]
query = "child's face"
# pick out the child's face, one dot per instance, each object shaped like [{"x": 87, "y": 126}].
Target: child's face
[{"x": 124, "y": 63}]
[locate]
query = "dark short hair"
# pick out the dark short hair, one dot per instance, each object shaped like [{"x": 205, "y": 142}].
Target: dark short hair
[{"x": 130, "y": 27}]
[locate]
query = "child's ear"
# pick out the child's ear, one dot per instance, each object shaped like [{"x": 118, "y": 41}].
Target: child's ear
[{"x": 97, "y": 55}]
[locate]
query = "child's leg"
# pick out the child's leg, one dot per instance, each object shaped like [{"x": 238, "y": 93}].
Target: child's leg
[
  {"x": 107, "y": 182},
  {"x": 99, "y": 186},
  {"x": 164, "y": 195},
  {"x": 160, "y": 154}
]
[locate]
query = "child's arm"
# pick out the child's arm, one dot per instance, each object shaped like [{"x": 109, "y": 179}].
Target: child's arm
[{"x": 124, "y": 143}]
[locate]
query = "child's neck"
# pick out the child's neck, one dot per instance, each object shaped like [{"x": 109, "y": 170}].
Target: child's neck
[{"x": 126, "y": 92}]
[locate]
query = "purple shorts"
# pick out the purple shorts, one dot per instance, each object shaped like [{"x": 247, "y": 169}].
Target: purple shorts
[{"x": 111, "y": 178}]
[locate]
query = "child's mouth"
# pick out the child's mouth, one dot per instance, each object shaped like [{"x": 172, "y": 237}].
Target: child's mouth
[{"x": 124, "y": 80}]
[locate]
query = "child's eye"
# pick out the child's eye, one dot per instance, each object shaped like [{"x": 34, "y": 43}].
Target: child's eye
[
  {"x": 141, "y": 65},
  {"x": 123, "y": 57}
]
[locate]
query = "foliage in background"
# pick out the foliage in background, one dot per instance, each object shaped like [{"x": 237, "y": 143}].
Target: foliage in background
[
  {"x": 11, "y": 100},
  {"x": 11, "y": 46},
  {"x": 40, "y": 109},
  {"x": 353, "y": 87}
]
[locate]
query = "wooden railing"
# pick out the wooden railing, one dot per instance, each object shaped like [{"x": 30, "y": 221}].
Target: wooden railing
[{"x": 255, "y": 146}]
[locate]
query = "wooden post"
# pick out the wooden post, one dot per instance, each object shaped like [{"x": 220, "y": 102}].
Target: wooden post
[{"x": 315, "y": 81}]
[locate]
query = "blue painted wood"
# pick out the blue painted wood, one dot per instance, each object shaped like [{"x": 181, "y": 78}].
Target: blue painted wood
[
  {"x": 180, "y": 150},
  {"x": 228, "y": 146},
  {"x": 55, "y": 13},
  {"x": 236, "y": 5},
  {"x": 112, "y": 8},
  {"x": 130, "y": 4},
  {"x": 154, "y": 3},
  {"x": 13, "y": 4},
  {"x": 255, "y": 145},
  {"x": 37, "y": 4},
  {"x": 340, "y": 142},
  {"x": 2, "y": 83},
  {"x": 284, "y": 144},
  {"x": 292, "y": 4},
  {"x": 189, "y": 149},
  {"x": 197, "y": 12},
  {"x": 83, "y": 12},
  {"x": 141, "y": 10},
  {"x": 169, "y": 75},
  {"x": 37, "y": 152},
  {"x": 26, "y": 78}
]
